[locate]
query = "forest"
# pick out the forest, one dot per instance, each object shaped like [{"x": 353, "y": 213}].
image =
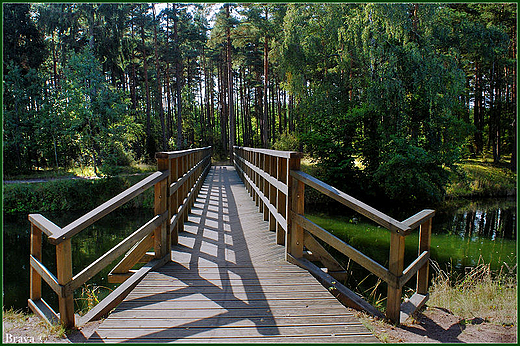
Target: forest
[{"x": 385, "y": 98}]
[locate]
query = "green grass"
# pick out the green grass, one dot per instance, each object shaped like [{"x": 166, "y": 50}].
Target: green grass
[
  {"x": 80, "y": 171},
  {"x": 481, "y": 293},
  {"x": 15, "y": 319},
  {"x": 479, "y": 178}
]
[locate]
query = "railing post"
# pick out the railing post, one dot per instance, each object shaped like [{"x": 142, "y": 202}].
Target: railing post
[
  {"x": 281, "y": 175},
  {"x": 425, "y": 232},
  {"x": 161, "y": 240},
  {"x": 64, "y": 269},
  {"x": 36, "y": 252},
  {"x": 174, "y": 204},
  {"x": 295, "y": 201},
  {"x": 395, "y": 267}
]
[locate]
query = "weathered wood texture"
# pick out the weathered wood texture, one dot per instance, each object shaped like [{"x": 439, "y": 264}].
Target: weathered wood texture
[{"x": 229, "y": 283}]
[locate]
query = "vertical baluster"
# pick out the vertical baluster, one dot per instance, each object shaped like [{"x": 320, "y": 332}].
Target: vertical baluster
[
  {"x": 272, "y": 192},
  {"x": 265, "y": 183},
  {"x": 161, "y": 239},
  {"x": 296, "y": 200},
  {"x": 281, "y": 199},
  {"x": 36, "y": 251},
  {"x": 425, "y": 232},
  {"x": 174, "y": 200}
]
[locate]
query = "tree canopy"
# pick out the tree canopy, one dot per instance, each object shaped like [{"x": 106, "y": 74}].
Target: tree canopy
[{"x": 385, "y": 97}]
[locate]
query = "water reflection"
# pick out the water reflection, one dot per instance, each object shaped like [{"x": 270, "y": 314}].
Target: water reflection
[
  {"x": 490, "y": 219},
  {"x": 87, "y": 246}
]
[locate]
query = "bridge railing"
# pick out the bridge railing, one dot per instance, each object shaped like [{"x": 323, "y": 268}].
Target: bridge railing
[
  {"x": 276, "y": 183},
  {"x": 176, "y": 183}
]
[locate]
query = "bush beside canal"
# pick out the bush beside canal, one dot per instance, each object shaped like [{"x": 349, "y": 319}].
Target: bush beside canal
[{"x": 68, "y": 194}]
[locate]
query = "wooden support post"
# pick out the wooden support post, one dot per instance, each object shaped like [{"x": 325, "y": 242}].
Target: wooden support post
[
  {"x": 273, "y": 170},
  {"x": 180, "y": 194},
  {"x": 161, "y": 240},
  {"x": 296, "y": 190},
  {"x": 267, "y": 169},
  {"x": 425, "y": 232},
  {"x": 280, "y": 199},
  {"x": 36, "y": 251},
  {"x": 396, "y": 264},
  {"x": 187, "y": 188},
  {"x": 64, "y": 269},
  {"x": 174, "y": 201}
]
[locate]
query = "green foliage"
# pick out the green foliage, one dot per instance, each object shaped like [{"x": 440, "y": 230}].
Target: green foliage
[
  {"x": 287, "y": 142},
  {"x": 81, "y": 194},
  {"x": 477, "y": 179}
]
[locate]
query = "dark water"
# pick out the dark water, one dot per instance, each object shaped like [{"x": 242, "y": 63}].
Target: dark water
[
  {"x": 463, "y": 232},
  {"x": 87, "y": 246}
]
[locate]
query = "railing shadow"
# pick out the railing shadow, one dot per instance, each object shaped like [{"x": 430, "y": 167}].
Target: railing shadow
[{"x": 214, "y": 243}]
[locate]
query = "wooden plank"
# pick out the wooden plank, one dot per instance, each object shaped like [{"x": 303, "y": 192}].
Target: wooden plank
[
  {"x": 320, "y": 253},
  {"x": 410, "y": 306},
  {"x": 43, "y": 224},
  {"x": 414, "y": 267},
  {"x": 88, "y": 219},
  {"x": 116, "y": 296},
  {"x": 357, "y": 256},
  {"x": 316, "y": 313},
  {"x": 35, "y": 280},
  {"x": 242, "y": 335},
  {"x": 45, "y": 274},
  {"x": 306, "y": 339},
  {"x": 133, "y": 256},
  {"x": 110, "y": 256},
  {"x": 44, "y": 311},
  {"x": 362, "y": 208},
  {"x": 349, "y": 298},
  {"x": 421, "y": 217},
  {"x": 230, "y": 321},
  {"x": 64, "y": 269}
]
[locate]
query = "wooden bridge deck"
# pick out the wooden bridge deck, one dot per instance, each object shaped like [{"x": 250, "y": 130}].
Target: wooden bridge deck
[{"x": 229, "y": 283}]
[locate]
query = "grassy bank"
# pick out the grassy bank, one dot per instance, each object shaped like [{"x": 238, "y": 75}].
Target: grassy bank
[
  {"x": 478, "y": 178},
  {"x": 78, "y": 194},
  {"x": 479, "y": 294}
]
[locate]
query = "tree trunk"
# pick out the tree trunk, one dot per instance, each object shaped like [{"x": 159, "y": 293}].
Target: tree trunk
[
  {"x": 149, "y": 146},
  {"x": 266, "y": 126},
  {"x": 159, "y": 85},
  {"x": 178, "y": 77},
  {"x": 232, "y": 120}
]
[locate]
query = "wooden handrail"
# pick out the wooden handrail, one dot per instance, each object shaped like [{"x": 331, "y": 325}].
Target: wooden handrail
[
  {"x": 118, "y": 250},
  {"x": 89, "y": 218},
  {"x": 356, "y": 255},
  {"x": 179, "y": 153},
  {"x": 268, "y": 185},
  {"x": 188, "y": 168},
  {"x": 48, "y": 227},
  {"x": 362, "y": 208},
  {"x": 276, "y": 153}
]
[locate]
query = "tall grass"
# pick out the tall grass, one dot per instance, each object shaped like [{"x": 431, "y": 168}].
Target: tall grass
[{"x": 480, "y": 293}]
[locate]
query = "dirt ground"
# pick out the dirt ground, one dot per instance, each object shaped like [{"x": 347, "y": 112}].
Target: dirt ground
[
  {"x": 440, "y": 325},
  {"x": 432, "y": 325}
]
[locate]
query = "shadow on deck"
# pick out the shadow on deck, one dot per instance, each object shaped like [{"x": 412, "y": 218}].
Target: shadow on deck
[{"x": 228, "y": 282}]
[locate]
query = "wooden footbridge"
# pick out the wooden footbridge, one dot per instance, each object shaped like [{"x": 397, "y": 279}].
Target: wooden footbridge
[{"x": 233, "y": 259}]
